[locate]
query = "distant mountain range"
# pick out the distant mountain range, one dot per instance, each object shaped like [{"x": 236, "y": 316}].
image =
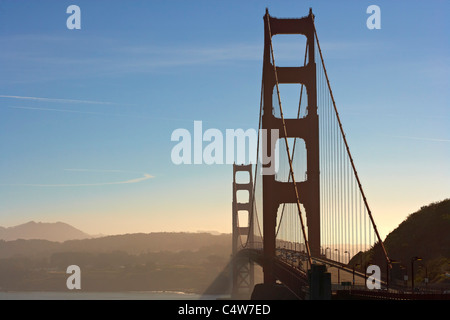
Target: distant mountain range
[
  {"x": 57, "y": 231},
  {"x": 163, "y": 261},
  {"x": 135, "y": 243}
]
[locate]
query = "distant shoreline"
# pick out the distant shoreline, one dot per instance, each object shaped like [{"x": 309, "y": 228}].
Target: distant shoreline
[{"x": 113, "y": 295}]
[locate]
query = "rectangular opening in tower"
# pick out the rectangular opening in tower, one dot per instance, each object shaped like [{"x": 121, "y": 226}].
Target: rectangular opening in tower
[
  {"x": 289, "y": 50},
  {"x": 297, "y": 149},
  {"x": 243, "y": 218},
  {"x": 242, "y": 177},
  {"x": 290, "y": 94},
  {"x": 242, "y": 196}
]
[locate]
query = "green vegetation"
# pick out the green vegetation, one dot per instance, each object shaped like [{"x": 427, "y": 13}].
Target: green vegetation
[
  {"x": 424, "y": 234},
  {"x": 133, "y": 262}
]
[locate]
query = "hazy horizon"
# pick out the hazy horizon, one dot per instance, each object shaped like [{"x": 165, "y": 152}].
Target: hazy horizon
[
  {"x": 213, "y": 232},
  {"x": 95, "y": 233}
]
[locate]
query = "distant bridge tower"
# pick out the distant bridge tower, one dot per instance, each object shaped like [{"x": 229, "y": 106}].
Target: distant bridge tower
[
  {"x": 243, "y": 268},
  {"x": 275, "y": 192}
]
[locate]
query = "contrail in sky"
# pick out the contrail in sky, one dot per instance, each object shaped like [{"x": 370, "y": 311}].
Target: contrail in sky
[
  {"x": 145, "y": 176},
  {"x": 55, "y": 100},
  {"x": 105, "y": 114},
  {"x": 61, "y": 110}
]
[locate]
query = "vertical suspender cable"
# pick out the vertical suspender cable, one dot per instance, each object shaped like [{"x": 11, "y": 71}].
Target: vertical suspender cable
[{"x": 351, "y": 158}]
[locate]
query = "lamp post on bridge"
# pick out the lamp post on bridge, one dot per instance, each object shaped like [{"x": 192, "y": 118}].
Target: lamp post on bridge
[
  {"x": 388, "y": 263},
  {"x": 426, "y": 275},
  {"x": 413, "y": 259},
  {"x": 348, "y": 255},
  {"x": 327, "y": 248},
  {"x": 367, "y": 264},
  {"x": 405, "y": 276},
  {"x": 338, "y": 269},
  {"x": 338, "y": 259},
  {"x": 354, "y": 266}
]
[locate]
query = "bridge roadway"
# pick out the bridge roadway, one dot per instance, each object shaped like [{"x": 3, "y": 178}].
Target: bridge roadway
[{"x": 290, "y": 268}]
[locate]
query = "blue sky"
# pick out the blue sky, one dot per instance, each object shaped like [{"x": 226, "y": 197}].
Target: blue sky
[{"x": 86, "y": 115}]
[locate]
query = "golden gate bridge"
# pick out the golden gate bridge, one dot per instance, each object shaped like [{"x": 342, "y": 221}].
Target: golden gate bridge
[{"x": 308, "y": 223}]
